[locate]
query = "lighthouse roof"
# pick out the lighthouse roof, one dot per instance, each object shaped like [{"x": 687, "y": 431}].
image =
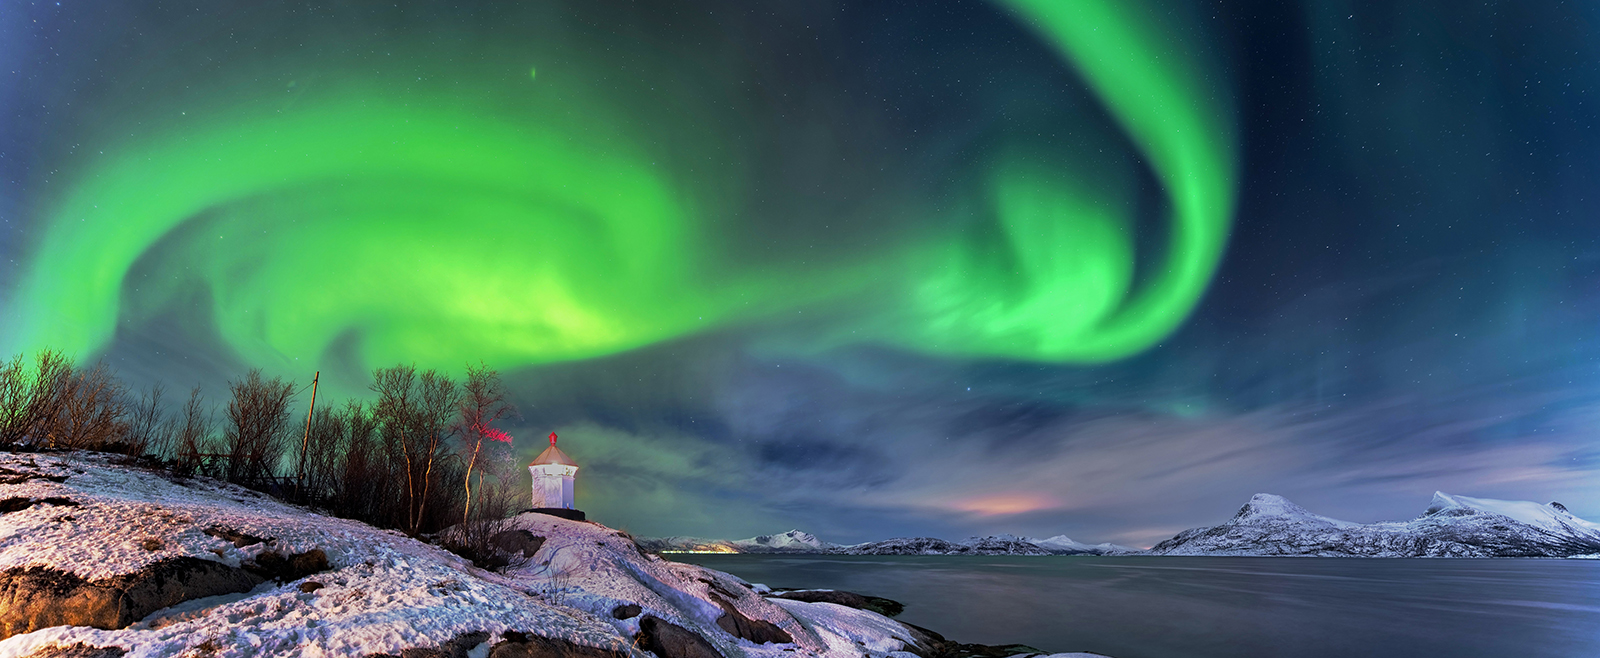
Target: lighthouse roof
[{"x": 553, "y": 455}]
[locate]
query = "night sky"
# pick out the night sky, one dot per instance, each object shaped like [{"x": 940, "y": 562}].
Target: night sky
[{"x": 1092, "y": 267}]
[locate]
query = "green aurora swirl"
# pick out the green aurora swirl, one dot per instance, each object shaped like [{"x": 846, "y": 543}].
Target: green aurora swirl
[{"x": 441, "y": 231}]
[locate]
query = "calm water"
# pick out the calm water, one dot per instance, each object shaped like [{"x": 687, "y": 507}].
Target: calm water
[{"x": 1223, "y": 607}]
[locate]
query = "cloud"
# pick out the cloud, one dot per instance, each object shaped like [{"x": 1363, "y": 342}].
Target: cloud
[{"x": 816, "y": 450}]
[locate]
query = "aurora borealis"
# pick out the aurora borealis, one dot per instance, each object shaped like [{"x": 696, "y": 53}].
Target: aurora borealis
[
  {"x": 1105, "y": 253},
  {"x": 449, "y": 198}
]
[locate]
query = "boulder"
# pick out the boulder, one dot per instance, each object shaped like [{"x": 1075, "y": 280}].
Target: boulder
[
  {"x": 522, "y": 645},
  {"x": 669, "y": 640},
  {"x": 737, "y": 624},
  {"x": 516, "y": 542},
  {"x": 759, "y": 631},
  {"x": 78, "y": 651},
  {"x": 239, "y": 539},
  {"x": 19, "y": 503},
  {"x": 41, "y": 597},
  {"x": 457, "y": 647},
  {"x": 275, "y": 566},
  {"x": 929, "y": 644}
]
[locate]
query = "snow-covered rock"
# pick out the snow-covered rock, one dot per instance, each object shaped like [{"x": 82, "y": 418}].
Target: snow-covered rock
[
  {"x": 1452, "y": 526},
  {"x": 379, "y": 592}
]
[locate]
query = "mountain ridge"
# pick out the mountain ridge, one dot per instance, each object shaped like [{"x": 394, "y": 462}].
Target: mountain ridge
[
  {"x": 1451, "y": 526},
  {"x": 798, "y": 542}
]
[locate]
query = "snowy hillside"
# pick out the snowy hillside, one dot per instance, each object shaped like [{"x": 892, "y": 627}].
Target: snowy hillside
[
  {"x": 1452, "y": 526},
  {"x": 104, "y": 559}
]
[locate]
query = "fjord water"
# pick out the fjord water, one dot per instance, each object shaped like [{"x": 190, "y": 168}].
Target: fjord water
[{"x": 1222, "y": 607}]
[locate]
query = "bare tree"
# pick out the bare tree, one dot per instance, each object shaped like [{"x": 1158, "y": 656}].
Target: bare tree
[
  {"x": 483, "y": 401},
  {"x": 393, "y": 412},
  {"x": 324, "y": 438},
  {"x": 16, "y": 398},
  {"x": 482, "y": 538},
  {"x": 33, "y": 399},
  {"x": 361, "y": 470},
  {"x": 93, "y": 410},
  {"x": 414, "y": 413},
  {"x": 52, "y": 379},
  {"x": 258, "y": 417},
  {"x": 146, "y": 431},
  {"x": 15, "y": 393},
  {"x": 438, "y": 401},
  {"x": 191, "y": 436}
]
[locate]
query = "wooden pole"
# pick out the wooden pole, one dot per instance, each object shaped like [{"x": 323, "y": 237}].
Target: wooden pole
[{"x": 305, "y": 441}]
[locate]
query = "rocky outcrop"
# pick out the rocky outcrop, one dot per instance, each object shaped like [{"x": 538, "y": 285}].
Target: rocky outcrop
[
  {"x": 111, "y": 572},
  {"x": 669, "y": 640},
  {"x": 238, "y": 539},
  {"x": 19, "y": 503},
  {"x": 521, "y": 645},
  {"x": 13, "y": 476},
  {"x": 933, "y": 645},
  {"x": 737, "y": 623},
  {"x": 275, "y": 566},
  {"x": 878, "y": 604},
  {"x": 39, "y": 597},
  {"x": 78, "y": 651}
]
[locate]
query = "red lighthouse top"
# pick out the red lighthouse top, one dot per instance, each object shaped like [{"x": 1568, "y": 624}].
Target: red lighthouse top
[{"x": 553, "y": 455}]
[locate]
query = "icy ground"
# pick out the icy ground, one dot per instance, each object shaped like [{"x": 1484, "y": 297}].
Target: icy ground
[{"x": 383, "y": 592}]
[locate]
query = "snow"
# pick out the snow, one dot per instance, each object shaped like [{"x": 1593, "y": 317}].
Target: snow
[
  {"x": 1452, "y": 526},
  {"x": 384, "y": 592},
  {"x": 1546, "y": 517},
  {"x": 1065, "y": 544},
  {"x": 841, "y": 627},
  {"x": 793, "y": 540},
  {"x": 1274, "y": 506}
]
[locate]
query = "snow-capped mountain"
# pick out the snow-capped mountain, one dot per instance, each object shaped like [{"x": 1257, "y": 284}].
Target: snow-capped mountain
[
  {"x": 1006, "y": 545},
  {"x": 1452, "y": 526},
  {"x": 1064, "y": 545},
  {"x": 793, "y": 541},
  {"x": 687, "y": 545}
]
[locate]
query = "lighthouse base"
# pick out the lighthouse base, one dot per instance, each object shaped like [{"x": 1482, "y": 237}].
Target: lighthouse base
[{"x": 569, "y": 514}]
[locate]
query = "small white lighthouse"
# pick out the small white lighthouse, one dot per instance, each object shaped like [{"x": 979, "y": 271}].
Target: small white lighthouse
[{"x": 553, "y": 472}]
